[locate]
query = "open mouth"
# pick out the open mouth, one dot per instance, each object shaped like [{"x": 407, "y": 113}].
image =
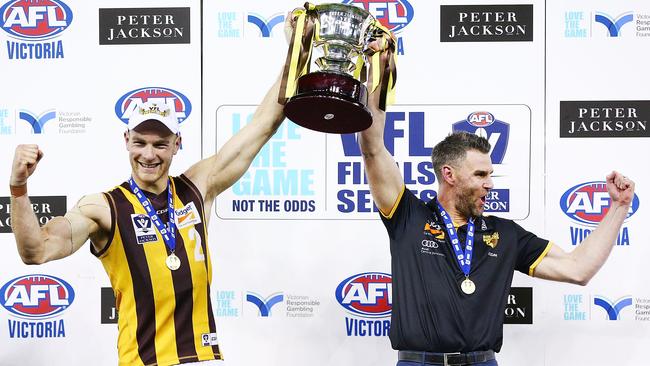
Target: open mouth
[{"x": 148, "y": 166}]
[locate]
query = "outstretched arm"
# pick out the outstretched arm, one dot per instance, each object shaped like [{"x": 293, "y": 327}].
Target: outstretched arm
[
  {"x": 215, "y": 174},
  {"x": 581, "y": 264},
  {"x": 384, "y": 177},
  {"x": 61, "y": 236}
]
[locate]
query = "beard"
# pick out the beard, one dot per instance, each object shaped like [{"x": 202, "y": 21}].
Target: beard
[{"x": 466, "y": 203}]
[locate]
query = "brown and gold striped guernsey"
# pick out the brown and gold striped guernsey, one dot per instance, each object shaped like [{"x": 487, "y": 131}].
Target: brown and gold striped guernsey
[{"x": 165, "y": 317}]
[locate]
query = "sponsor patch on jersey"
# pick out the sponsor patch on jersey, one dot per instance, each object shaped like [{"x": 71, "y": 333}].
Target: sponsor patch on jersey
[
  {"x": 144, "y": 230},
  {"x": 187, "y": 216},
  {"x": 432, "y": 228},
  {"x": 209, "y": 339}
]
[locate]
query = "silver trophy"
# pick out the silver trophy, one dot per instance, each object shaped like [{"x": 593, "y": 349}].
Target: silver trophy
[{"x": 334, "y": 98}]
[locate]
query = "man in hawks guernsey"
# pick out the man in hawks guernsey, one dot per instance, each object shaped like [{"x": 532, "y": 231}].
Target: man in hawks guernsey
[{"x": 149, "y": 232}]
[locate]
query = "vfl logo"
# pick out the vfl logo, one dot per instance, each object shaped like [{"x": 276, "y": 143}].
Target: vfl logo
[
  {"x": 35, "y": 20},
  {"x": 392, "y": 14},
  {"x": 588, "y": 203},
  {"x": 614, "y": 24},
  {"x": 143, "y": 229},
  {"x": 265, "y": 27},
  {"x": 613, "y": 309},
  {"x": 37, "y": 122},
  {"x": 366, "y": 294},
  {"x": 264, "y": 305},
  {"x": 131, "y": 100},
  {"x": 36, "y": 296},
  {"x": 484, "y": 124}
]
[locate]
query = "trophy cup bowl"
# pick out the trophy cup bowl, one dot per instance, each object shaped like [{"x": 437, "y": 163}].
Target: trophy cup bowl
[{"x": 331, "y": 99}]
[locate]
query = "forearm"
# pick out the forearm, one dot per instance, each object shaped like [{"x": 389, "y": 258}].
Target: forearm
[{"x": 592, "y": 253}]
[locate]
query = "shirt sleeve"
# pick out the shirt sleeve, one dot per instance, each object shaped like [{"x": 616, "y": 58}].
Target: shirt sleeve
[
  {"x": 396, "y": 220},
  {"x": 530, "y": 250}
]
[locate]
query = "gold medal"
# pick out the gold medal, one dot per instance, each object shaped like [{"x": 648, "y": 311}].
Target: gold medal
[
  {"x": 467, "y": 286},
  {"x": 173, "y": 262}
]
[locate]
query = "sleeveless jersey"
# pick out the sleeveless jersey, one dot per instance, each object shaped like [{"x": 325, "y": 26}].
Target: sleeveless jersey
[{"x": 165, "y": 317}]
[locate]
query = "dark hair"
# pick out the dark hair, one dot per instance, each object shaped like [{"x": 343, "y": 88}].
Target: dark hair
[{"x": 454, "y": 148}]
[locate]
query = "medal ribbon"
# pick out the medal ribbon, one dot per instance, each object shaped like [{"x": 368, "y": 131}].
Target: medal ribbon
[
  {"x": 464, "y": 258},
  {"x": 168, "y": 232}
]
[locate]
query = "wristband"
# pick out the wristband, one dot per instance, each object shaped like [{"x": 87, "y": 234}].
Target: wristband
[{"x": 18, "y": 191}]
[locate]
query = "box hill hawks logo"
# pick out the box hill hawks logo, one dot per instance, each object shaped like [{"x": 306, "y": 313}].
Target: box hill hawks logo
[
  {"x": 33, "y": 24},
  {"x": 131, "y": 100}
]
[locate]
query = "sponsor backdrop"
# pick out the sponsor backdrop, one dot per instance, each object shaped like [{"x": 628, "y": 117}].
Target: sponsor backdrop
[{"x": 301, "y": 259}]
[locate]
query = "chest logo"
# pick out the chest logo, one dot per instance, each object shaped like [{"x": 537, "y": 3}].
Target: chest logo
[
  {"x": 491, "y": 240},
  {"x": 187, "y": 216},
  {"x": 143, "y": 228}
]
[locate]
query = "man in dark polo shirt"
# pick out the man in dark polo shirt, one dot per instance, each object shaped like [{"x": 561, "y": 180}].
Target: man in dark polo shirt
[{"x": 452, "y": 267}]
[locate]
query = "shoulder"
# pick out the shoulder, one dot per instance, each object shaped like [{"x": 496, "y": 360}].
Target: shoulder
[{"x": 96, "y": 207}]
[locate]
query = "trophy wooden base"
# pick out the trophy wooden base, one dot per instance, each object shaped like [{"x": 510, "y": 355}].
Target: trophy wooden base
[{"x": 329, "y": 102}]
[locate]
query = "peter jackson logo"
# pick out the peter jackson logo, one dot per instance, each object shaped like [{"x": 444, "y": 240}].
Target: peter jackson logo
[
  {"x": 486, "y": 23},
  {"x": 144, "y": 26},
  {"x": 604, "y": 118}
]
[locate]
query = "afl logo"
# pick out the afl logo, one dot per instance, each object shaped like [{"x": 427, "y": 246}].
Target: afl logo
[
  {"x": 36, "y": 296},
  {"x": 392, "y": 14},
  {"x": 366, "y": 294},
  {"x": 131, "y": 100},
  {"x": 589, "y": 202},
  {"x": 480, "y": 119},
  {"x": 35, "y": 20}
]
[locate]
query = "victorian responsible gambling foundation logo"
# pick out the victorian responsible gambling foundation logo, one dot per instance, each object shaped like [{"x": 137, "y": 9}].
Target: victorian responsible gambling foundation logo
[
  {"x": 598, "y": 307},
  {"x": 36, "y": 303},
  {"x": 264, "y": 304},
  {"x": 606, "y": 24},
  {"x": 37, "y": 121},
  {"x": 368, "y": 299},
  {"x": 33, "y": 26},
  {"x": 128, "y": 102},
  {"x": 392, "y": 14},
  {"x": 587, "y": 204},
  {"x": 232, "y": 24},
  {"x": 282, "y": 304}
]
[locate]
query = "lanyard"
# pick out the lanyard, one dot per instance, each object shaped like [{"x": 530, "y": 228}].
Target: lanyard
[
  {"x": 168, "y": 232},
  {"x": 464, "y": 258}
]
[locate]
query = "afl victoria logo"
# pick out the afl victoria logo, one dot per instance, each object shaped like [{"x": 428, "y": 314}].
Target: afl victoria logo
[
  {"x": 31, "y": 20},
  {"x": 589, "y": 202},
  {"x": 36, "y": 296},
  {"x": 366, "y": 294}
]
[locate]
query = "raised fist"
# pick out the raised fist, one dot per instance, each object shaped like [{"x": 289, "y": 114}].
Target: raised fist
[{"x": 26, "y": 158}]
